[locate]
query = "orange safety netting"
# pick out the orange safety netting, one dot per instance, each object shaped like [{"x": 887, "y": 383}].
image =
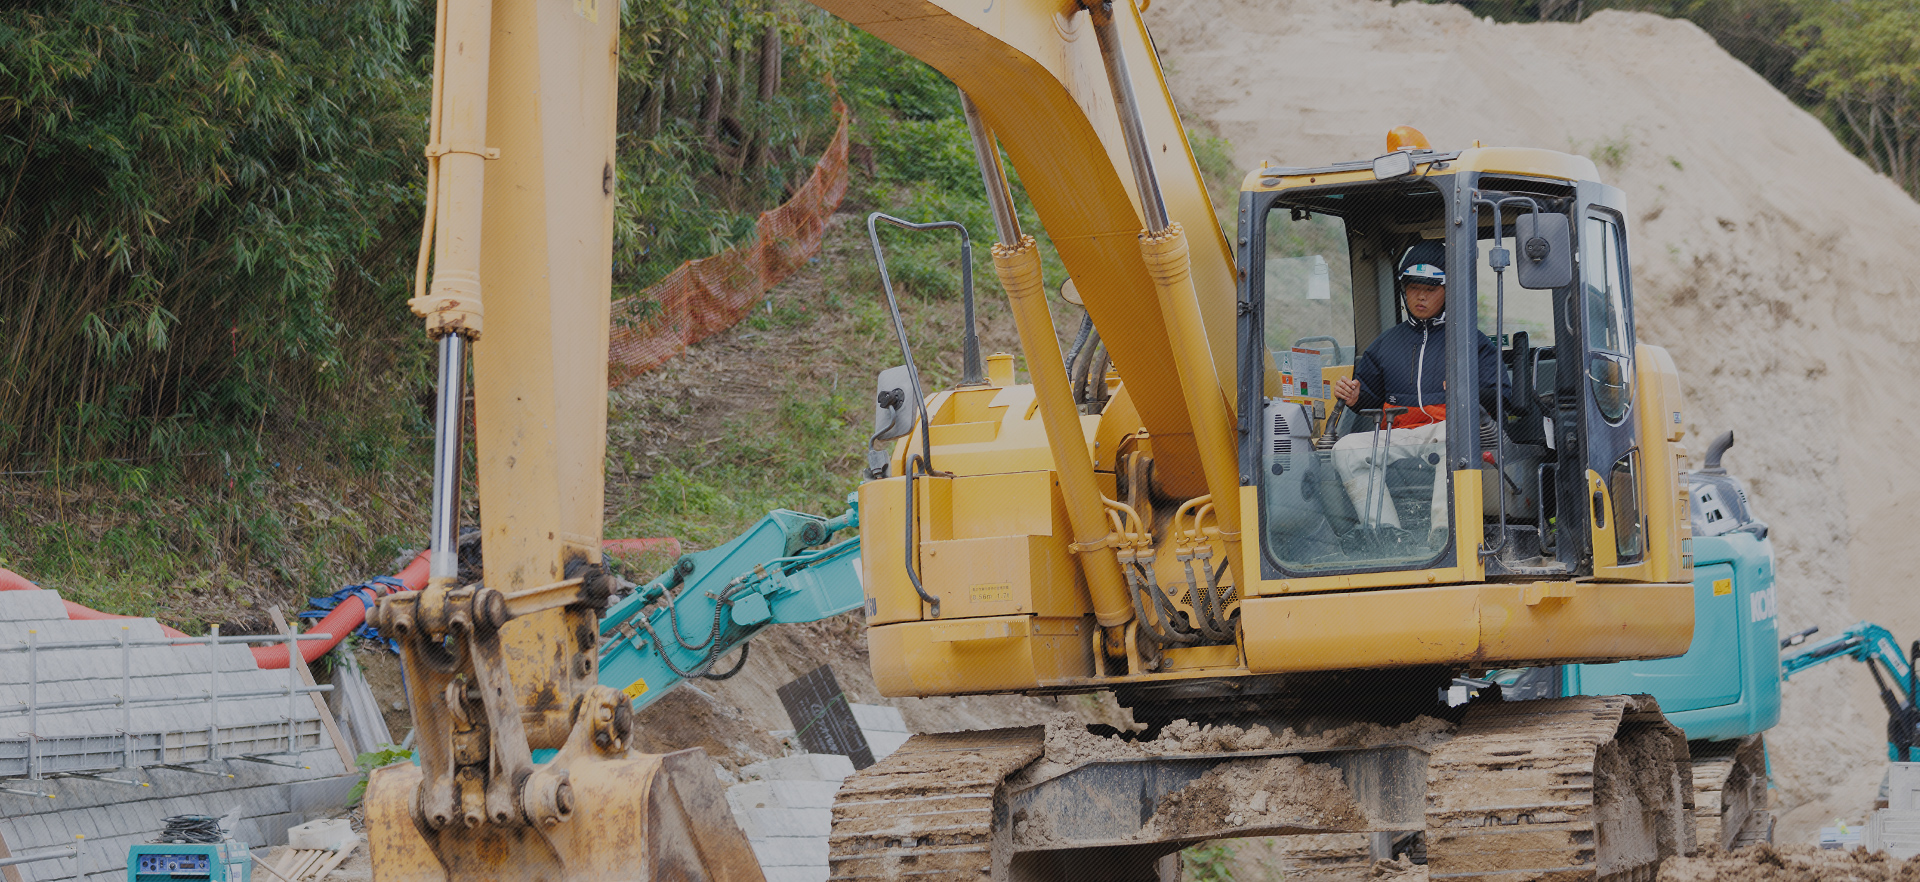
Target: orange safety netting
[{"x": 703, "y": 297}]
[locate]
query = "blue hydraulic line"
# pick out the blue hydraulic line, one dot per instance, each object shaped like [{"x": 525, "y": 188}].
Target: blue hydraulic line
[{"x": 712, "y": 602}]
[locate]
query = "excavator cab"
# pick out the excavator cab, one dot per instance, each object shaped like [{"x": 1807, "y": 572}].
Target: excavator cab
[{"x": 1565, "y": 444}]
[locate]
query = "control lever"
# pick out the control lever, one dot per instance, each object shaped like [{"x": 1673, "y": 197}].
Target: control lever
[
  {"x": 1327, "y": 437},
  {"x": 1486, "y": 456}
]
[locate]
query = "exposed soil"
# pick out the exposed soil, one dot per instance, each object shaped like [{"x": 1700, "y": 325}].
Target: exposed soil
[
  {"x": 1789, "y": 863},
  {"x": 382, "y": 670},
  {"x": 1403, "y": 869},
  {"x": 1069, "y": 743},
  {"x": 1278, "y": 791}
]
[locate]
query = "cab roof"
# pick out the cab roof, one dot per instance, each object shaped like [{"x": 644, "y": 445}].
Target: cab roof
[{"x": 1524, "y": 161}]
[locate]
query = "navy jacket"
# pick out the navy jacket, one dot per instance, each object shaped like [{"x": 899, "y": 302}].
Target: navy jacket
[{"x": 1407, "y": 366}]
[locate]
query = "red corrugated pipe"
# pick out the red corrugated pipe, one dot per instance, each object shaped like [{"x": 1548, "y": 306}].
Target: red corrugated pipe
[{"x": 341, "y": 622}]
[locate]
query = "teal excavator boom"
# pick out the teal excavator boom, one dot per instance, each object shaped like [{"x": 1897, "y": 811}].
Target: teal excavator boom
[
  {"x": 1874, "y": 647},
  {"x": 779, "y": 571}
]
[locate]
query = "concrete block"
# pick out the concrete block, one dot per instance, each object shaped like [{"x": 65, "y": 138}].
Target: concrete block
[
  {"x": 1895, "y": 831},
  {"x": 878, "y": 718},
  {"x": 1903, "y": 786},
  {"x": 796, "y": 874},
  {"x": 21, "y": 607},
  {"x": 31, "y": 830},
  {"x": 771, "y": 822},
  {"x": 883, "y": 744},
  {"x": 790, "y": 851},
  {"x": 801, "y": 767},
  {"x": 268, "y": 829},
  {"x": 321, "y": 795},
  {"x": 331, "y": 834},
  {"x": 785, "y": 794}
]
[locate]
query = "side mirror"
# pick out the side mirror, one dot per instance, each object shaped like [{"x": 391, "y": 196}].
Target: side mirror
[
  {"x": 1543, "y": 250},
  {"x": 1397, "y": 164},
  {"x": 893, "y": 414}
]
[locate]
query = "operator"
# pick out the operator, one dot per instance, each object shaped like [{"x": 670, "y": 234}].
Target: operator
[{"x": 1406, "y": 367}]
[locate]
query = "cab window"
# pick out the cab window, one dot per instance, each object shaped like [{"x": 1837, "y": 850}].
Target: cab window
[
  {"x": 1353, "y": 506},
  {"x": 1609, "y": 340},
  {"x": 1309, "y": 302}
]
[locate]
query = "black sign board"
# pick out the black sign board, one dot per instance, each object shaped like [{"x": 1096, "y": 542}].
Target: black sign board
[{"x": 822, "y": 718}]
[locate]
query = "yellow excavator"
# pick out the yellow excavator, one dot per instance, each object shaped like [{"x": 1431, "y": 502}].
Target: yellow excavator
[{"x": 1192, "y": 521}]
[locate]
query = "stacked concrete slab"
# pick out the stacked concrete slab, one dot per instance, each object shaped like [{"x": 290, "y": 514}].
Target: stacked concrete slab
[
  {"x": 786, "y": 804},
  {"x": 786, "y": 809},
  {"x": 883, "y": 726},
  {"x": 250, "y": 748}
]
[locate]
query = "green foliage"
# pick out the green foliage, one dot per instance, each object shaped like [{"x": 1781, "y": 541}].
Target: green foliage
[
  {"x": 936, "y": 151},
  {"x": 1219, "y": 171},
  {"x": 1863, "y": 57},
  {"x": 800, "y": 458},
  {"x": 724, "y": 108},
  {"x": 386, "y": 755},
  {"x": 201, "y": 195},
  {"x": 1610, "y": 153},
  {"x": 1208, "y": 862}
]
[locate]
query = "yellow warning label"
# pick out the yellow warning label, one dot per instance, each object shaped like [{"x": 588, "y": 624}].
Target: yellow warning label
[
  {"x": 998, "y": 592},
  {"x": 636, "y": 689},
  {"x": 589, "y": 10},
  {"x": 1722, "y": 587}
]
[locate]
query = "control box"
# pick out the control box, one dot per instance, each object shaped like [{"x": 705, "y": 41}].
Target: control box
[{"x": 227, "y": 861}]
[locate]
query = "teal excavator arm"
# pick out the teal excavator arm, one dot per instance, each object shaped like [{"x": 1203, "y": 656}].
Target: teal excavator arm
[
  {"x": 1873, "y": 646},
  {"x": 714, "y": 601},
  {"x": 1865, "y": 642}
]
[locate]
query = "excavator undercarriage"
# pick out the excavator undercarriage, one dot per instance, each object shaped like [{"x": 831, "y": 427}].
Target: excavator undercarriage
[{"x": 1568, "y": 788}]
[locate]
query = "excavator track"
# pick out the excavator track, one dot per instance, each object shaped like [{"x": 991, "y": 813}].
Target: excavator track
[
  {"x": 1730, "y": 792},
  {"x": 1580, "y": 788},
  {"x": 926, "y": 812}
]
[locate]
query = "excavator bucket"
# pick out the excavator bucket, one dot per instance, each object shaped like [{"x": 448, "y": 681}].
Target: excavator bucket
[{"x": 646, "y": 816}]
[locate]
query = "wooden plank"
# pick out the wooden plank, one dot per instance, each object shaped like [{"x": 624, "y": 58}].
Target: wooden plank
[
  {"x": 310, "y": 859},
  {"x": 284, "y": 867},
  {"x": 347, "y": 757},
  {"x": 7, "y": 874},
  {"x": 334, "y": 862}
]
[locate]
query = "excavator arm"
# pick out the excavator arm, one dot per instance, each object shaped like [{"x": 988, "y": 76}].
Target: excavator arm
[
  {"x": 515, "y": 282},
  {"x": 1893, "y": 675},
  {"x": 1864, "y": 642},
  {"x": 713, "y": 602}
]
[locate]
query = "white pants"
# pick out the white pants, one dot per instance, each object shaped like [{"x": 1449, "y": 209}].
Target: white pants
[{"x": 1362, "y": 459}]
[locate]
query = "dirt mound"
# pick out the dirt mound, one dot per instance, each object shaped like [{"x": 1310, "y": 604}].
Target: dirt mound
[
  {"x": 1789, "y": 863},
  {"x": 1279, "y": 791},
  {"x": 1069, "y": 743},
  {"x": 1776, "y": 267}
]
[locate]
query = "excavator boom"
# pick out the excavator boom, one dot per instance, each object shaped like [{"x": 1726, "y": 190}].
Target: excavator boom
[
  {"x": 1034, "y": 69},
  {"x": 524, "y": 769}
]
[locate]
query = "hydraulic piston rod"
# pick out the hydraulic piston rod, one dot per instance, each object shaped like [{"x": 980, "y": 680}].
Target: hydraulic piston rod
[
  {"x": 1017, "y": 261},
  {"x": 448, "y": 421},
  {"x": 1163, "y": 245}
]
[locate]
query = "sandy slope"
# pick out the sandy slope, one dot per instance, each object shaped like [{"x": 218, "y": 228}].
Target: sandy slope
[{"x": 1779, "y": 270}]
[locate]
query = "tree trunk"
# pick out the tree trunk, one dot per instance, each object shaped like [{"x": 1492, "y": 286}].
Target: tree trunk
[
  {"x": 770, "y": 63},
  {"x": 712, "y": 104},
  {"x": 756, "y": 153}
]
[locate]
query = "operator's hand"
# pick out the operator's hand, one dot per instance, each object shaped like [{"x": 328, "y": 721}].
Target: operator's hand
[{"x": 1348, "y": 390}]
